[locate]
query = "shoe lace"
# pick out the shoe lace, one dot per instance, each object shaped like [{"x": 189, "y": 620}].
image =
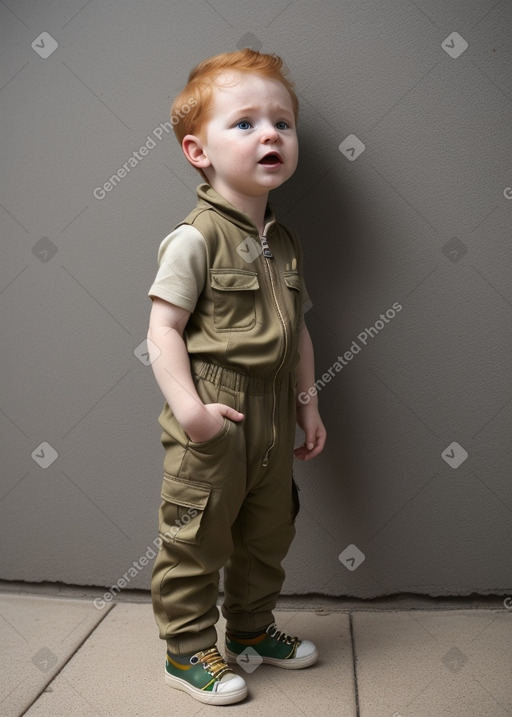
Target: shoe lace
[
  {"x": 281, "y": 636},
  {"x": 213, "y": 662}
]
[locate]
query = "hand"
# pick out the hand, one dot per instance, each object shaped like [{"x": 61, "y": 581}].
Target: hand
[
  {"x": 315, "y": 434},
  {"x": 209, "y": 421}
]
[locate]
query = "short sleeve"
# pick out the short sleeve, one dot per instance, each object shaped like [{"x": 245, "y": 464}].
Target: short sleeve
[{"x": 182, "y": 268}]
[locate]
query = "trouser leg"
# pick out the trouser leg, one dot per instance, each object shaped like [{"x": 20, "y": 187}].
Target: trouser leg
[
  {"x": 184, "y": 600},
  {"x": 264, "y": 528},
  {"x": 203, "y": 489}
]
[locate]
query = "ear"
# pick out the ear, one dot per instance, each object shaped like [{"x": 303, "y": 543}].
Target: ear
[{"x": 193, "y": 150}]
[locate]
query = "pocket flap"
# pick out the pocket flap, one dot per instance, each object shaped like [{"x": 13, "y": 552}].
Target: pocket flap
[
  {"x": 189, "y": 494},
  {"x": 292, "y": 280},
  {"x": 234, "y": 280}
]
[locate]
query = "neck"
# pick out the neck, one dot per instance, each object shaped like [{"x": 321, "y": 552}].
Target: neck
[{"x": 253, "y": 207}]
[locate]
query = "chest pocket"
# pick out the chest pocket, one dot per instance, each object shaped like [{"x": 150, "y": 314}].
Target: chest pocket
[{"x": 234, "y": 301}]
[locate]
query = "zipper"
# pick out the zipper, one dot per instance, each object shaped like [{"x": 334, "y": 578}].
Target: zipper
[{"x": 283, "y": 358}]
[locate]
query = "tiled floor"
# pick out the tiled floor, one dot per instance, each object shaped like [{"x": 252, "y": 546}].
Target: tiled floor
[{"x": 60, "y": 655}]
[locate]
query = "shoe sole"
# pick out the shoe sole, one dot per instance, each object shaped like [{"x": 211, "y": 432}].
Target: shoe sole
[
  {"x": 210, "y": 698},
  {"x": 296, "y": 663}
]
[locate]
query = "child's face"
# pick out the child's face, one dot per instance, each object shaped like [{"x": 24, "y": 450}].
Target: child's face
[{"x": 250, "y": 140}]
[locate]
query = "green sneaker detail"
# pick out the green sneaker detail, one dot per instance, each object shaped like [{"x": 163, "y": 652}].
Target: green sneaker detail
[
  {"x": 207, "y": 678},
  {"x": 271, "y": 647}
]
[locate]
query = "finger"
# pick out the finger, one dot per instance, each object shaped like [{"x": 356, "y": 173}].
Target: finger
[
  {"x": 309, "y": 440},
  {"x": 319, "y": 446},
  {"x": 306, "y": 453},
  {"x": 320, "y": 442},
  {"x": 233, "y": 415},
  {"x": 313, "y": 453},
  {"x": 299, "y": 453}
]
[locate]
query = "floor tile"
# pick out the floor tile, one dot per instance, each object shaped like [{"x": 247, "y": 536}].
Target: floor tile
[
  {"x": 420, "y": 664},
  {"x": 119, "y": 671},
  {"x": 37, "y": 637}
]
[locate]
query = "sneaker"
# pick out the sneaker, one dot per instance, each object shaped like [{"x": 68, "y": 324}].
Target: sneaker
[
  {"x": 207, "y": 678},
  {"x": 273, "y": 648}
]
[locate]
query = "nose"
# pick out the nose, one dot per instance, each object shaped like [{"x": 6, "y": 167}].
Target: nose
[{"x": 269, "y": 134}]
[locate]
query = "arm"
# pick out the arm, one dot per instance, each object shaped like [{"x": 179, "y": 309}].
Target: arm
[
  {"x": 308, "y": 417},
  {"x": 171, "y": 365}
]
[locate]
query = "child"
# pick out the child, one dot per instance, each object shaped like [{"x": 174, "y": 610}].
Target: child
[{"x": 230, "y": 352}]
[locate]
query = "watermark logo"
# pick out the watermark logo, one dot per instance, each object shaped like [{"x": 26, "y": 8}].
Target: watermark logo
[
  {"x": 362, "y": 340},
  {"x": 249, "y": 249},
  {"x": 147, "y": 352},
  {"x": 181, "y": 523},
  {"x": 138, "y": 565},
  {"x": 352, "y": 557},
  {"x": 249, "y": 659},
  {"x": 163, "y": 129},
  {"x": 44, "y": 249},
  {"x": 454, "y": 455},
  {"x": 44, "y": 455},
  {"x": 45, "y": 45},
  {"x": 249, "y": 40},
  {"x": 44, "y": 659},
  {"x": 455, "y": 659},
  {"x": 135, "y": 568},
  {"x": 454, "y": 45},
  {"x": 351, "y": 147},
  {"x": 454, "y": 249}
]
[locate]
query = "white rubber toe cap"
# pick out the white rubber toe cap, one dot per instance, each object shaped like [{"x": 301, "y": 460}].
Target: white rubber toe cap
[
  {"x": 305, "y": 649},
  {"x": 231, "y": 683}
]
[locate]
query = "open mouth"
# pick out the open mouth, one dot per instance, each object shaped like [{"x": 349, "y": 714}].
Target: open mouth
[{"x": 272, "y": 158}]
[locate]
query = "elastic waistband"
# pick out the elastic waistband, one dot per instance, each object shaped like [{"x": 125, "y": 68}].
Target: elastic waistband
[{"x": 232, "y": 379}]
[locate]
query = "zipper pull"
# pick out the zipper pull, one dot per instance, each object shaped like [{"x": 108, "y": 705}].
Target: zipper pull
[{"x": 266, "y": 248}]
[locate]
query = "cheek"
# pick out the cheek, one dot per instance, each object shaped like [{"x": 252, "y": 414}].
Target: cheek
[
  {"x": 294, "y": 148},
  {"x": 293, "y": 151},
  {"x": 243, "y": 153}
]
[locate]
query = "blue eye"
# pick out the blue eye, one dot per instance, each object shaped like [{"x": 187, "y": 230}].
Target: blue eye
[
  {"x": 282, "y": 125},
  {"x": 243, "y": 124}
]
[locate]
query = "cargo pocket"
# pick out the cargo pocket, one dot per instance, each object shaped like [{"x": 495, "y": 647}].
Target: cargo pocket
[
  {"x": 183, "y": 509},
  {"x": 233, "y": 297}
]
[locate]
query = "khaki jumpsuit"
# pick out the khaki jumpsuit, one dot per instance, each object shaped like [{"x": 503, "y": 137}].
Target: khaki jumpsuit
[{"x": 230, "y": 502}]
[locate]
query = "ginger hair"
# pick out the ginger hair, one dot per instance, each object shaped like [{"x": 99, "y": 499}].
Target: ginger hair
[{"x": 197, "y": 96}]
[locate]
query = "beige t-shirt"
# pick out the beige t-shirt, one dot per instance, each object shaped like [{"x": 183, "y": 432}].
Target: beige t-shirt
[{"x": 182, "y": 273}]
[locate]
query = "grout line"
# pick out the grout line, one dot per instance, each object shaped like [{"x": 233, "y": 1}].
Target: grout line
[
  {"x": 354, "y": 663},
  {"x": 65, "y": 663}
]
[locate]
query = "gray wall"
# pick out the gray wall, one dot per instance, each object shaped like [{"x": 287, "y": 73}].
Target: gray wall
[{"x": 420, "y": 218}]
